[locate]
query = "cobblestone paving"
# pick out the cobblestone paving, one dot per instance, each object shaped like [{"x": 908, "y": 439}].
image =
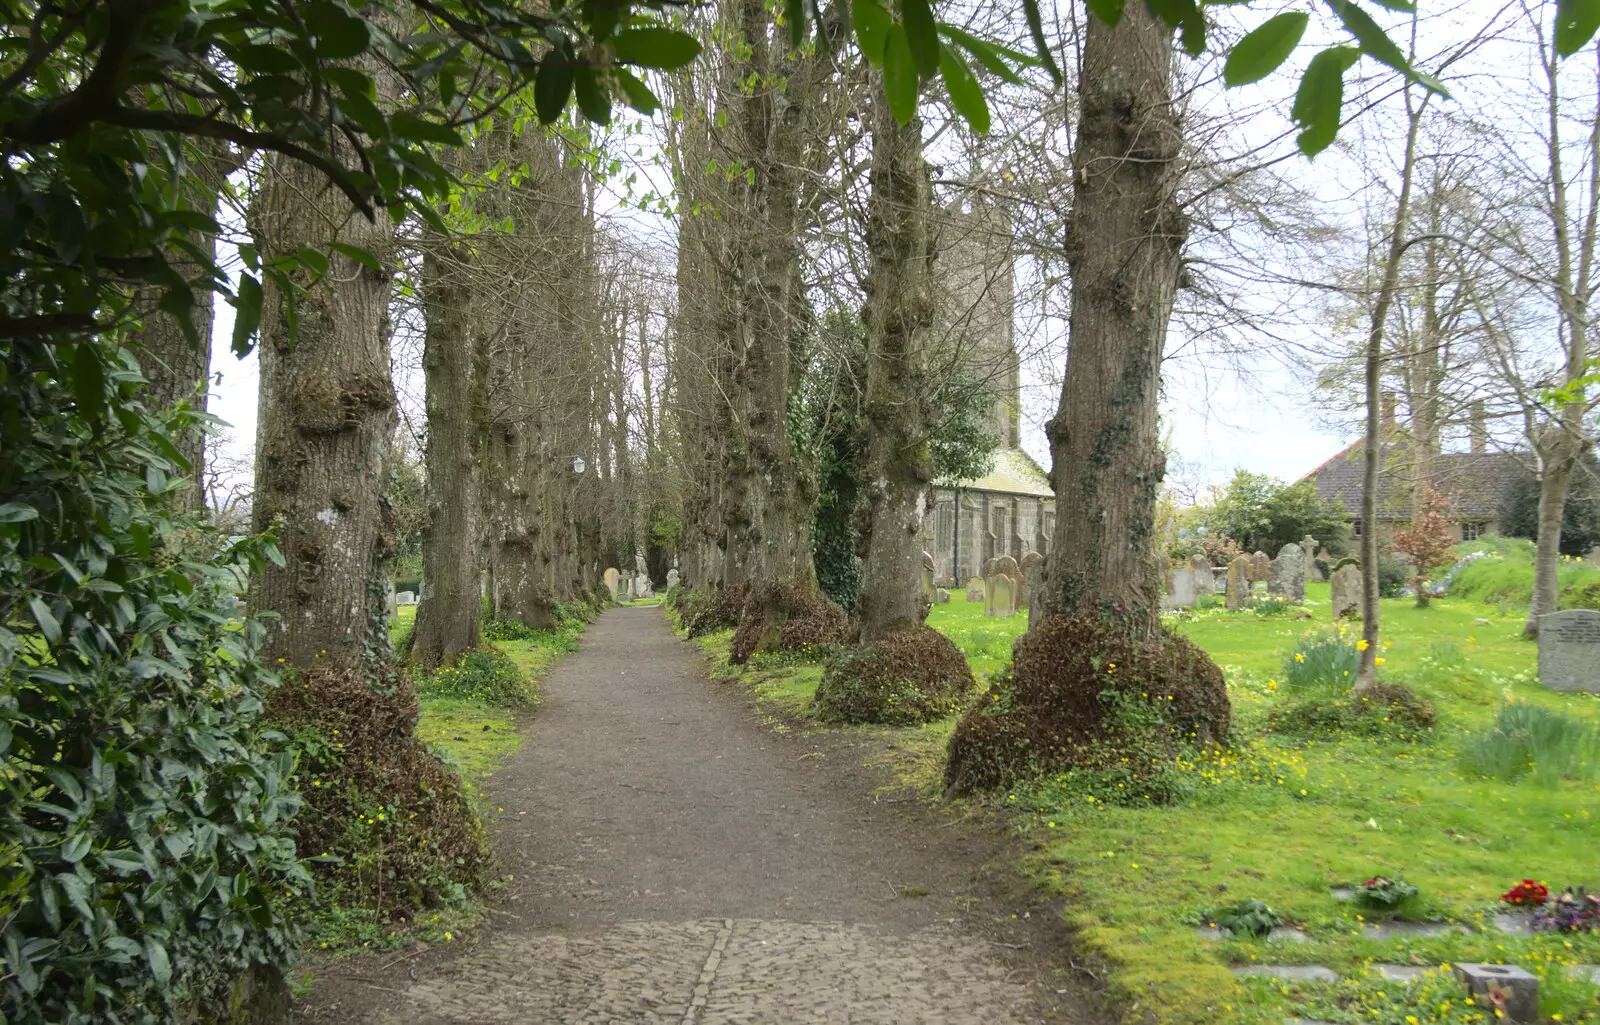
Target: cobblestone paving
[{"x": 723, "y": 972}]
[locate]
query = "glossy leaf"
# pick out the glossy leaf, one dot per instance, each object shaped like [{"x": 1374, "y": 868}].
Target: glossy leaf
[
  {"x": 246, "y": 313},
  {"x": 993, "y": 58},
  {"x": 1576, "y": 22},
  {"x": 966, "y": 95},
  {"x": 593, "y": 98},
  {"x": 1041, "y": 44},
  {"x": 638, "y": 95},
  {"x": 1266, "y": 47},
  {"x": 655, "y": 47},
  {"x": 871, "y": 23},
  {"x": 900, "y": 79},
  {"x": 1109, "y": 12},
  {"x": 552, "y": 86},
  {"x": 922, "y": 33},
  {"x": 1320, "y": 98}
]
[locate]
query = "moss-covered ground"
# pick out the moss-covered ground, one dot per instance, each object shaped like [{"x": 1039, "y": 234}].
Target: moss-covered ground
[{"x": 1287, "y": 821}]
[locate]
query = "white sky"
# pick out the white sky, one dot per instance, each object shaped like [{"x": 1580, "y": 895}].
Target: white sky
[{"x": 1252, "y": 411}]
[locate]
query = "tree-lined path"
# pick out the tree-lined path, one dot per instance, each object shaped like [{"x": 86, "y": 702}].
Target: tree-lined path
[{"x": 673, "y": 860}]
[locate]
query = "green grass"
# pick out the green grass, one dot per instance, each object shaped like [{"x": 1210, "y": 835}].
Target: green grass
[{"x": 1285, "y": 820}]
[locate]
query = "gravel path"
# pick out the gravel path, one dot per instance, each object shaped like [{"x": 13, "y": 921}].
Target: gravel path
[{"x": 673, "y": 860}]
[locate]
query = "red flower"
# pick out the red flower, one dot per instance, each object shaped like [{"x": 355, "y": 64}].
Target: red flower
[{"x": 1526, "y": 892}]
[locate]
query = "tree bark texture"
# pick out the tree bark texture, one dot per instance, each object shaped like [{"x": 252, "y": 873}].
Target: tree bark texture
[
  {"x": 897, "y": 464},
  {"x": 1124, "y": 248},
  {"x": 327, "y": 414},
  {"x": 455, "y": 367}
]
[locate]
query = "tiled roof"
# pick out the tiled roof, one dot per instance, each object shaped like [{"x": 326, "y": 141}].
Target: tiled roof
[
  {"x": 1471, "y": 482},
  {"x": 1014, "y": 473}
]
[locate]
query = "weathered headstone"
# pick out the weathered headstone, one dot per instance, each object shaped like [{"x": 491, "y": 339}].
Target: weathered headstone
[
  {"x": 941, "y": 596},
  {"x": 1569, "y": 650},
  {"x": 624, "y": 586},
  {"x": 1007, "y": 565},
  {"x": 1260, "y": 568},
  {"x": 1288, "y": 573},
  {"x": 1308, "y": 545},
  {"x": 976, "y": 590},
  {"x": 1025, "y": 579},
  {"x": 641, "y": 586},
  {"x": 1502, "y": 989},
  {"x": 1204, "y": 582},
  {"x": 612, "y": 577},
  {"x": 988, "y": 568},
  {"x": 927, "y": 576},
  {"x": 1239, "y": 583},
  {"x": 1346, "y": 589},
  {"x": 1180, "y": 588},
  {"x": 672, "y": 578},
  {"x": 1219, "y": 579},
  {"x": 1003, "y": 595},
  {"x": 405, "y": 598}
]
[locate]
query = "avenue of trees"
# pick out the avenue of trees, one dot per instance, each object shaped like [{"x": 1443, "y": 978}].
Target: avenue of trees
[{"x": 764, "y": 400}]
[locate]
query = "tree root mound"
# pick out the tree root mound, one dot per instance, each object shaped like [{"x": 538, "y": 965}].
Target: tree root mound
[
  {"x": 1082, "y": 695},
  {"x": 786, "y": 617},
  {"x": 908, "y": 677},
  {"x": 705, "y": 610},
  {"x": 376, "y": 799}
]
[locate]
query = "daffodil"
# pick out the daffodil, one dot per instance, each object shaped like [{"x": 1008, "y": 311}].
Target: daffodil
[{"x": 1362, "y": 645}]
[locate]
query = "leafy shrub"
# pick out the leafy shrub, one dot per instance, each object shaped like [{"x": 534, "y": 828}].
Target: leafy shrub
[
  {"x": 1384, "y": 712},
  {"x": 144, "y": 818},
  {"x": 1394, "y": 574},
  {"x": 486, "y": 675},
  {"x": 783, "y": 617},
  {"x": 1322, "y": 662},
  {"x": 1500, "y": 570},
  {"x": 1386, "y": 894},
  {"x": 908, "y": 677},
  {"x": 1528, "y": 740},
  {"x": 706, "y": 610},
  {"x": 1247, "y": 918},
  {"x": 1270, "y": 605}
]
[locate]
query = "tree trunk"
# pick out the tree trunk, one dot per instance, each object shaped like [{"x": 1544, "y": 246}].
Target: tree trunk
[
  {"x": 897, "y": 465},
  {"x": 455, "y": 367},
  {"x": 1124, "y": 246},
  {"x": 327, "y": 414},
  {"x": 1558, "y": 460}
]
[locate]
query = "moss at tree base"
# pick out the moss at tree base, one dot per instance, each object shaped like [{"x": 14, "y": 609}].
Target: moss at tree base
[
  {"x": 1082, "y": 694},
  {"x": 909, "y": 677},
  {"x": 786, "y": 617},
  {"x": 397, "y": 821}
]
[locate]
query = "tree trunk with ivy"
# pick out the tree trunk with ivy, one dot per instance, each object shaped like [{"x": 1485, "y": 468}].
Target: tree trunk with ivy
[
  {"x": 455, "y": 367},
  {"x": 897, "y": 466},
  {"x": 1124, "y": 247},
  {"x": 327, "y": 412}
]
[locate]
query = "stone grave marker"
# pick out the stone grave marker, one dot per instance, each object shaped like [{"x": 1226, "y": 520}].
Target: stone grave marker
[
  {"x": 1346, "y": 588},
  {"x": 1288, "y": 573},
  {"x": 928, "y": 588},
  {"x": 1569, "y": 650},
  {"x": 1239, "y": 583},
  {"x": 1204, "y": 582},
  {"x": 405, "y": 598},
  {"x": 672, "y": 578},
  {"x": 1308, "y": 545},
  {"x": 1025, "y": 579},
  {"x": 941, "y": 596},
  {"x": 1003, "y": 595},
  {"x": 611, "y": 578},
  {"x": 1260, "y": 568},
  {"x": 1180, "y": 588},
  {"x": 1502, "y": 987},
  {"x": 977, "y": 590}
]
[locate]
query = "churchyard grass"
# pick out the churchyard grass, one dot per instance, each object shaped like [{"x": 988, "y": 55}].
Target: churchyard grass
[{"x": 1288, "y": 821}]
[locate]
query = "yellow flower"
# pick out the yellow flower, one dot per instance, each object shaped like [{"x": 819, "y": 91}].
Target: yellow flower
[
  {"x": 448, "y": 936},
  {"x": 1362, "y": 645},
  {"x": 1472, "y": 640},
  {"x": 1387, "y": 645},
  {"x": 1272, "y": 684},
  {"x": 1299, "y": 657},
  {"x": 1380, "y": 660}
]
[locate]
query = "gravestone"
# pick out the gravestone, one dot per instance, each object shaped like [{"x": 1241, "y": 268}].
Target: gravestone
[
  {"x": 1239, "y": 583},
  {"x": 927, "y": 576},
  {"x": 976, "y": 590},
  {"x": 1308, "y": 545},
  {"x": 405, "y": 598},
  {"x": 1200, "y": 566},
  {"x": 672, "y": 578},
  {"x": 611, "y": 578},
  {"x": 1260, "y": 568},
  {"x": 1180, "y": 588},
  {"x": 1346, "y": 590},
  {"x": 1288, "y": 573},
  {"x": 1569, "y": 650},
  {"x": 1502, "y": 988},
  {"x": 941, "y": 596},
  {"x": 1025, "y": 579},
  {"x": 641, "y": 586},
  {"x": 389, "y": 603},
  {"x": 1007, "y": 565},
  {"x": 624, "y": 586},
  {"x": 1003, "y": 595},
  {"x": 1219, "y": 579},
  {"x": 988, "y": 568}
]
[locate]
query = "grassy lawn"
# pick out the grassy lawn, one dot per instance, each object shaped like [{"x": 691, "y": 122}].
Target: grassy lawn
[{"x": 1287, "y": 820}]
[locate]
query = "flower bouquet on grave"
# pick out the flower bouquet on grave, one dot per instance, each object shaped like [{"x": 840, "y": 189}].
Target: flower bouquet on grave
[
  {"x": 1385, "y": 893},
  {"x": 1570, "y": 912},
  {"x": 1248, "y": 918},
  {"x": 1526, "y": 894}
]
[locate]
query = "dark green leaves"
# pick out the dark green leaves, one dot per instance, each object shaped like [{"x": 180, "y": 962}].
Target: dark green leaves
[
  {"x": 966, "y": 95},
  {"x": 1109, "y": 12},
  {"x": 593, "y": 97},
  {"x": 552, "y": 85},
  {"x": 1320, "y": 98},
  {"x": 637, "y": 94},
  {"x": 922, "y": 34},
  {"x": 246, "y": 313},
  {"x": 415, "y": 129},
  {"x": 1576, "y": 22},
  {"x": 900, "y": 80},
  {"x": 872, "y": 28},
  {"x": 89, "y": 382},
  {"x": 1374, "y": 41},
  {"x": 339, "y": 32},
  {"x": 1258, "y": 54},
  {"x": 656, "y": 47}
]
